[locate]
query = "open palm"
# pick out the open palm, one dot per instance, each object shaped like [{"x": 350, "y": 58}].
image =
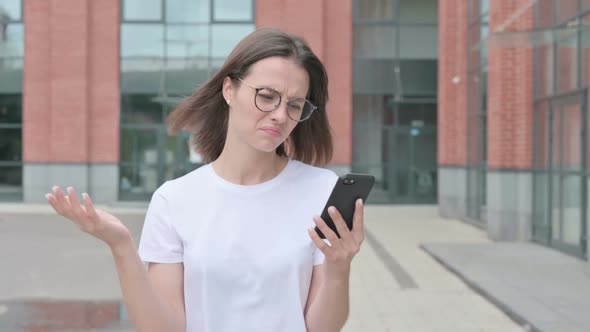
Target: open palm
[{"x": 95, "y": 222}]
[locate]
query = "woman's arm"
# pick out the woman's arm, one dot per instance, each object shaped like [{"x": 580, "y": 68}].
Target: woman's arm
[
  {"x": 328, "y": 302},
  {"x": 154, "y": 299},
  {"x": 154, "y": 302}
]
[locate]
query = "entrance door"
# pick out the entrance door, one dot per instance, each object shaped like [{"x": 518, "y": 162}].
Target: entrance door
[
  {"x": 560, "y": 185},
  {"x": 412, "y": 169}
]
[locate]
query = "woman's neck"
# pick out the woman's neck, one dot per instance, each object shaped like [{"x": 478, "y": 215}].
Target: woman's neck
[{"x": 248, "y": 167}]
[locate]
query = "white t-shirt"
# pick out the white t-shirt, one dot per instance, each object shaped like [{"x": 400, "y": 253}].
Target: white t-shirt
[{"x": 246, "y": 252}]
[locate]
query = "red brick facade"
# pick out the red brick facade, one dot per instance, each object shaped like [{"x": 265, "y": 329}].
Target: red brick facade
[
  {"x": 511, "y": 94},
  {"x": 72, "y": 73},
  {"x": 452, "y": 87},
  {"x": 510, "y": 102},
  {"x": 71, "y": 80}
]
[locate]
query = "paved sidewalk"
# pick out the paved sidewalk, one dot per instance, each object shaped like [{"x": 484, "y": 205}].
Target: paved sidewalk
[
  {"x": 541, "y": 287},
  {"x": 432, "y": 299},
  {"x": 395, "y": 285}
]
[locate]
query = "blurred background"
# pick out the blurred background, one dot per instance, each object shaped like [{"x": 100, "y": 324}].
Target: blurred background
[{"x": 476, "y": 108}]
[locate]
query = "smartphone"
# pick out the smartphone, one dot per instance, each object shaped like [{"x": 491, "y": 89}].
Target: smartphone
[{"x": 347, "y": 190}]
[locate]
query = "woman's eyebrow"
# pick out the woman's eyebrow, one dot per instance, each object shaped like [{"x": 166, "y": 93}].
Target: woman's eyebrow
[{"x": 280, "y": 92}]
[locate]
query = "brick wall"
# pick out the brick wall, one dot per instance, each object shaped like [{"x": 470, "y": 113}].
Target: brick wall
[
  {"x": 510, "y": 102},
  {"x": 71, "y": 80},
  {"x": 327, "y": 26},
  {"x": 452, "y": 98}
]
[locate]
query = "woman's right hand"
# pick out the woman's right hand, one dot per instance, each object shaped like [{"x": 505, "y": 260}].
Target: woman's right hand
[{"x": 93, "y": 221}]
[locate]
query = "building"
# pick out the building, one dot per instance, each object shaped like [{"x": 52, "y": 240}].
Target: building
[
  {"x": 513, "y": 119},
  {"x": 481, "y": 106},
  {"x": 86, "y": 87}
]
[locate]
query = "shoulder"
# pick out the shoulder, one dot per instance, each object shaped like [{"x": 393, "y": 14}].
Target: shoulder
[
  {"x": 196, "y": 180},
  {"x": 313, "y": 174}
]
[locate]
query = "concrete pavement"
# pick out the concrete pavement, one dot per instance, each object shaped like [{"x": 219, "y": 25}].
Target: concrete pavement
[{"x": 52, "y": 272}]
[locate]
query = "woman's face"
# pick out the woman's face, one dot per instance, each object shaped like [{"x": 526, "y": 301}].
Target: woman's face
[{"x": 264, "y": 131}]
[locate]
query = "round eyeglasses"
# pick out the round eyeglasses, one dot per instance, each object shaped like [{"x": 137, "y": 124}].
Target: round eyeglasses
[{"x": 268, "y": 100}]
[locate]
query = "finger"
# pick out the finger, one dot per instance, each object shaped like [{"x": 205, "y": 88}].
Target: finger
[
  {"x": 54, "y": 203},
  {"x": 327, "y": 231},
  {"x": 322, "y": 246},
  {"x": 358, "y": 221},
  {"x": 76, "y": 207},
  {"x": 340, "y": 223},
  {"x": 90, "y": 210},
  {"x": 62, "y": 202}
]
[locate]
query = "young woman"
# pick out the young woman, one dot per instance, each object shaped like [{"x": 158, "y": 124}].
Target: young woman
[{"x": 229, "y": 246}]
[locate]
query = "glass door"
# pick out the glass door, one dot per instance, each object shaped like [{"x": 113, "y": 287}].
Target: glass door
[
  {"x": 560, "y": 185},
  {"x": 412, "y": 168}
]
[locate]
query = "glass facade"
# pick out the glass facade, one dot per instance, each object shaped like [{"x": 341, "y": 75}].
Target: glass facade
[
  {"x": 395, "y": 50},
  {"x": 168, "y": 48},
  {"x": 11, "y": 72},
  {"x": 561, "y": 161},
  {"x": 477, "y": 82}
]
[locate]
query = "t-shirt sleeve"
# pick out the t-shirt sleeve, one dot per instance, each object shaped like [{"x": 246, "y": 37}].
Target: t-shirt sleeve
[{"x": 160, "y": 243}]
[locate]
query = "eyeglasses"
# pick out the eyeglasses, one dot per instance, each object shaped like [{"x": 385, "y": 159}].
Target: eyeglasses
[{"x": 268, "y": 100}]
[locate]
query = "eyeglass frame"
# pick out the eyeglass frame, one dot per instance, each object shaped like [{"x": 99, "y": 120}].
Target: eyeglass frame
[{"x": 313, "y": 107}]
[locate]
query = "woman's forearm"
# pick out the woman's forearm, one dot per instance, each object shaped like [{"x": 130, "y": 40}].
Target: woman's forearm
[
  {"x": 329, "y": 310},
  {"x": 146, "y": 311}
]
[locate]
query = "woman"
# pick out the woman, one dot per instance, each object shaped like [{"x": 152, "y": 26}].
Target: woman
[{"x": 226, "y": 246}]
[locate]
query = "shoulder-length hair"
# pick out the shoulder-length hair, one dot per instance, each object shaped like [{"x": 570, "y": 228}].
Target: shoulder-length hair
[{"x": 204, "y": 113}]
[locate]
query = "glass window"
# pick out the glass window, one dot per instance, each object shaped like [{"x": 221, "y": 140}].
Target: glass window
[
  {"x": 142, "y": 75},
  {"x": 545, "y": 13},
  {"x": 418, "y": 42},
  {"x": 484, "y": 7},
  {"x": 566, "y": 9},
  {"x": 572, "y": 137},
  {"x": 374, "y": 9},
  {"x": 187, "y": 41},
  {"x": 139, "y": 146},
  {"x": 232, "y": 10},
  {"x": 142, "y": 10},
  {"x": 374, "y": 41},
  {"x": 141, "y": 109},
  {"x": 10, "y": 10},
  {"x": 10, "y": 108},
  {"x": 567, "y": 63},
  {"x": 142, "y": 40},
  {"x": 545, "y": 72},
  {"x": 418, "y": 11},
  {"x": 184, "y": 11},
  {"x": 11, "y": 40},
  {"x": 10, "y": 144},
  {"x": 224, "y": 37}
]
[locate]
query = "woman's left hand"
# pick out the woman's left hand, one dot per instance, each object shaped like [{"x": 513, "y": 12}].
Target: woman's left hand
[{"x": 340, "y": 252}]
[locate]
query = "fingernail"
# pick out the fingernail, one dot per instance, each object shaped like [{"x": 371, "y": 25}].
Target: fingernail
[
  {"x": 54, "y": 188},
  {"x": 70, "y": 189},
  {"x": 85, "y": 196},
  {"x": 359, "y": 201},
  {"x": 47, "y": 196},
  {"x": 332, "y": 209}
]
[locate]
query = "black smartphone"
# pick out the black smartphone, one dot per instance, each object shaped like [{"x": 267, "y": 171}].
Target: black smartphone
[{"x": 347, "y": 190}]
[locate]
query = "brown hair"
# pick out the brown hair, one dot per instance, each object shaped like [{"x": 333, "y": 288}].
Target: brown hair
[{"x": 201, "y": 113}]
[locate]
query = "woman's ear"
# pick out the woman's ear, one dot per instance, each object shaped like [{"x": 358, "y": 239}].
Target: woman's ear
[{"x": 227, "y": 89}]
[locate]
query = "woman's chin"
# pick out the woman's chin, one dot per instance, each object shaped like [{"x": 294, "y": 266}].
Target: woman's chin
[{"x": 267, "y": 147}]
